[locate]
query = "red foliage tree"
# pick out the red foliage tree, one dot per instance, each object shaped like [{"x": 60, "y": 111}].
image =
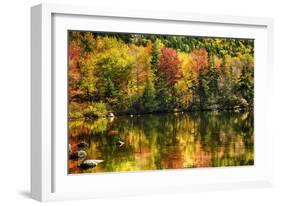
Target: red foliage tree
[
  {"x": 73, "y": 56},
  {"x": 200, "y": 59},
  {"x": 169, "y": 64}
]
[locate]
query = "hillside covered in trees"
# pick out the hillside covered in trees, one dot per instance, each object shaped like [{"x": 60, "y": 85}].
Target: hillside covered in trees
[{"x": 141, "y": 73}]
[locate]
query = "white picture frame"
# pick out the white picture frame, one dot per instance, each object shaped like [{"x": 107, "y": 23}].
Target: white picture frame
[{"x": 49, "y": 179}]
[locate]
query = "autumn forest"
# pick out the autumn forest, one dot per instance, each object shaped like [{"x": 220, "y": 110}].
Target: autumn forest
[
  {"x": 136, "y": 74},
  {"x": 149, "y": 102}
]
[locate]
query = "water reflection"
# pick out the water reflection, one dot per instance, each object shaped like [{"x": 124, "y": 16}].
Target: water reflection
[{"x": 165, "y": 141}]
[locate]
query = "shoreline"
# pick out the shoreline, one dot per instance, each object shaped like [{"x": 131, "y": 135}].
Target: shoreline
[{"x": 190, "y": 111}]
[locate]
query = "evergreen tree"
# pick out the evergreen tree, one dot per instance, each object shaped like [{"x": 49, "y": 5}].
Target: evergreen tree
[{"x": 203, "y": 89}]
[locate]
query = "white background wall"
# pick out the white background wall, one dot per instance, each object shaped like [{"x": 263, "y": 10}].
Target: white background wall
[{"x": 15, "y": 101}]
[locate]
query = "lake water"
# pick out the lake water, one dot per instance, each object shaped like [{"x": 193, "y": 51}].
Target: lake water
[{"x": 164, "y": 141}]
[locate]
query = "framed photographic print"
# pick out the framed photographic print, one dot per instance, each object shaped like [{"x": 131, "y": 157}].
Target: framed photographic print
[{"x": 137, "y": 102}]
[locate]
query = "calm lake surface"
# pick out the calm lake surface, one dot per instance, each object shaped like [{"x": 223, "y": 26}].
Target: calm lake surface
[{"x": 165, "y": 141}]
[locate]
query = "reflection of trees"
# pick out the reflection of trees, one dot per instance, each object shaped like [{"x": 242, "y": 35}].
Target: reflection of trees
[{"x": 170, "y": 141}]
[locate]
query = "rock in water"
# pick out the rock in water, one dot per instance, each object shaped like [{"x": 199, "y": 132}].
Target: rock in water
[
  {"x": 82, "y": 144},
  {"x": 120, "y": 143},
  {"x": 110, "y": 115},
  {"x": 87, "y": 164},
  {"x": 78, "y": 155}
]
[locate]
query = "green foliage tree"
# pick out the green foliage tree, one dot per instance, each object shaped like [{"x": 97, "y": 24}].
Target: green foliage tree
[
  {"x": 203, "y": 89},
  {"x": 149, "y": 102},
  {"x": 213, "y": 77}
]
